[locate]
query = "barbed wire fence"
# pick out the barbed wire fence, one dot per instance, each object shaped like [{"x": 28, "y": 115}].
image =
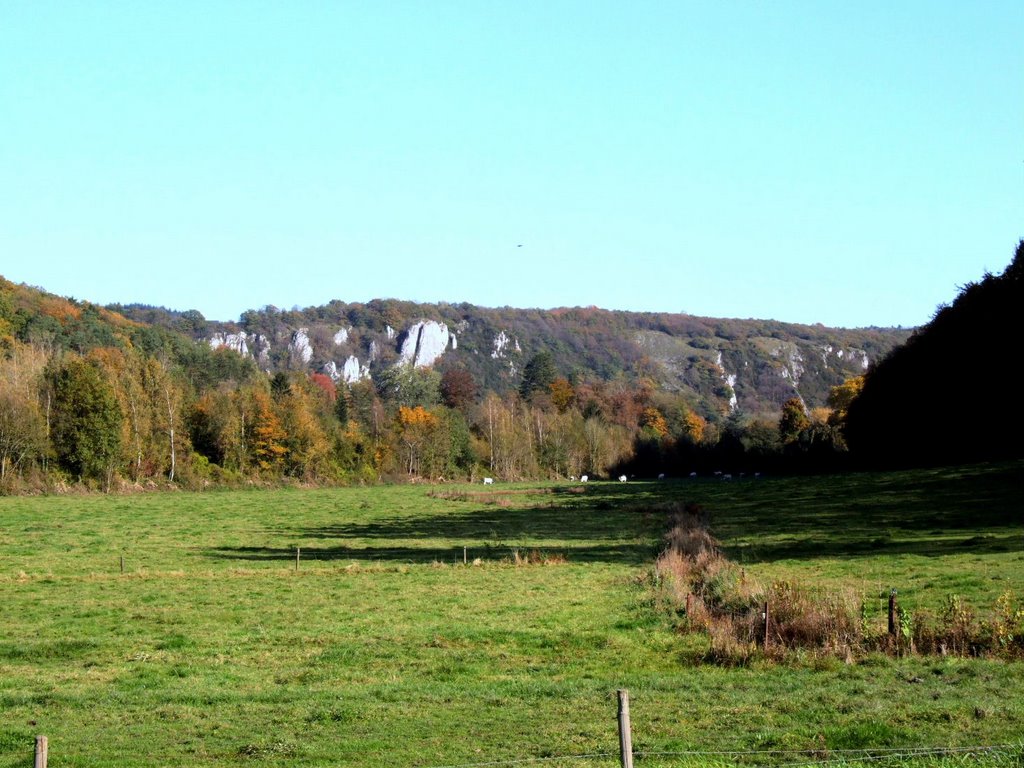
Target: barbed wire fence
[{"x": 1006, "y": 755}]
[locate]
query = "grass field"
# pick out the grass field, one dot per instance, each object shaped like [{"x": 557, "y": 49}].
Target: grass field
[{"x": 383, "y": 649}]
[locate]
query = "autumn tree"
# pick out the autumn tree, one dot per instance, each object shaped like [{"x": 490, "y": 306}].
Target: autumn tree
[
  {"x": 693, "y": 427},
  {"x": 416, "y": 427},
  {"x": 840, "y": 397},
  {"x": 458, "y": 388},
  {"x": 168, "y": 437},
  {"x": 653, "y": 424},
  {"x": 22, "y": 422},
  {"x": 793, "y": 420},
  {"x": 305, "y": 439},
  {"x": 267, "y": 435},
  {"x": 562, "y": 394}
]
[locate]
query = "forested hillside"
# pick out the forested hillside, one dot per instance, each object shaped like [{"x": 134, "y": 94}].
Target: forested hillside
[
  {"x": 134, "y": 396},
  {"x": 720, "y": 365},
  {"x": 948, "y": 394}
]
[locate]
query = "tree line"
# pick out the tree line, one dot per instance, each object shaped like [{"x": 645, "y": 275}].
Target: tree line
[
  {"x": 89, "y": 398},
  {"x": 116, "y": 416}
]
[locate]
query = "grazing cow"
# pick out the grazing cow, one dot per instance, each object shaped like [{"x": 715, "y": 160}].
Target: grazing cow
[
  {"x": 584, "y": 479},
  {"x": 661, "y": 476},
  {"x": 693, "y": 474},
  {"x": 757, "y": 474},
  {"x": 572, "y": 478},
  {"x": 488, "y": 481},
  {"x": 727, "y": 477},
  {"x": 622, "y": 478}
]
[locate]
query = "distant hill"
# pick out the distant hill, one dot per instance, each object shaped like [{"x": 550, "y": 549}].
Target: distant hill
[
  {"x": 31, "y": 315},
  {"x": 722, "y": 365},
  {"x": 947, "y": 395}
]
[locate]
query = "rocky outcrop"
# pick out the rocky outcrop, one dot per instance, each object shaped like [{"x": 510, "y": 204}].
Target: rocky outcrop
[
  {"x": 300, "y": 348},
  {"x": 237, "y": 342},
  {"x": 723, "y": 365},
  {"x": 848, "y": 357},
  {"x": 350, "y": 372},
  {"x": 504, "y": 342},
  {"x": 353, "y": 371},
  {"x": 730, "y": 382},
  {"x": 424, "y": 343},
  {"x": 788, "y": 353}
]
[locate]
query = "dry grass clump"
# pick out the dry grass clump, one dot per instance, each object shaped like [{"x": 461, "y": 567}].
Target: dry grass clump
[
  {"x": 715, "y": 595},
  {"x": 537, "y": 557}
]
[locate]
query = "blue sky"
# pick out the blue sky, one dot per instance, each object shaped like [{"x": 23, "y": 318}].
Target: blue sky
[{"x": 849, "y": 164}]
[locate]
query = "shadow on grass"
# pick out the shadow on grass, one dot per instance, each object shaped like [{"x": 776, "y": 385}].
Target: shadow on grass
[
  {"x": 968, "y": 510},
  {"x": 608, "y": 522},
  {"x": 625, "y": 554},
  {"x": 964, "y": 510}
]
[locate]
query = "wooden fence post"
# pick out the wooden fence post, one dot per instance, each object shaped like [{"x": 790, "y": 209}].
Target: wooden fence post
[
  {"x": 464, "y": 556},
  {"x": 297, "y": 549},
  {"x": 625, "y": 730},
  {"x": 766, "y": 625},
  {"x": 122, "y": 563},
  {"x": 892, "y": 613},
  {"x": 41, "y": 750}
]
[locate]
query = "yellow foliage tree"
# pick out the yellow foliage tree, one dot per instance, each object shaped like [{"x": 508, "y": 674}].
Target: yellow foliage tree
[
  {"x": 840, "y": 397},
  {"x": 694, "y": 426},
  {"x": 562, "y": 394},
  {"x": 415, "y": 427},
  {"x": 268, "y": 436},
  {"x": 654, "y": 421}
]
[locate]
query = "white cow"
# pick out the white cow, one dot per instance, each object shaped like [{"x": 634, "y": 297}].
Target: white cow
[
  {"x": 661, "y": 476},
  {"x": 488, "y": 481},
  {"x": 622, "y": 478},
  {"x": 584, "y": 479},
  {"x": 693, "y": 474}
]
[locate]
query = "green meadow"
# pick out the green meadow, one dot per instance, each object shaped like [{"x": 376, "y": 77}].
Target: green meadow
[{"x": 457, "y": 625}]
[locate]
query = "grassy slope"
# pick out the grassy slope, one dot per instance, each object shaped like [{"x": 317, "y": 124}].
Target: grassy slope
[{"x": 381, "y": 650}]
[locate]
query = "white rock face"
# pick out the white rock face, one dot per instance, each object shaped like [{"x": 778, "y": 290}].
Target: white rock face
[
  {"x": 239, "y": 342},
  {"x": 300, "y": 346},
  {"x": 730, "y": 380},
  {"x": 502, "y": 342},
  {"x": 262, "y": 347},
  {"x": 341, "y": 337},
  {"x": 855, "y": 356},
  {"x": 374, "y": 351},
  {"x": 353, "y": 371},
  {"x": 792, "y": 361},
  {"x": 233, "y": 341},
  {"x": 425, "y": 342},
  {"x": 389, "y": 331}
]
